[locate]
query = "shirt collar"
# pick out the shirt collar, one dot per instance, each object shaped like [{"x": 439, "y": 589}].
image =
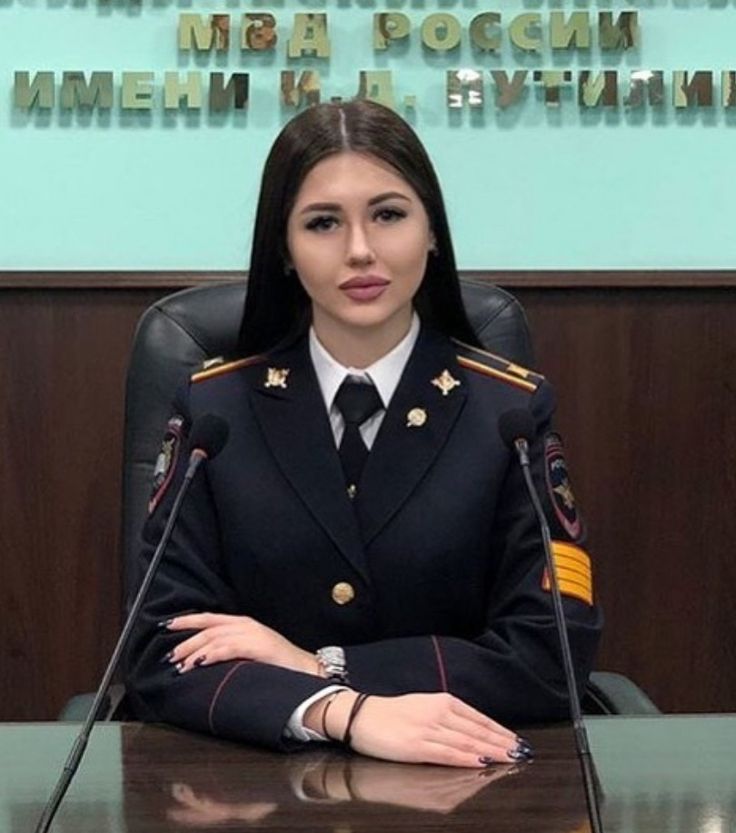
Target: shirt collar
[{"x": 384, "y": 373}]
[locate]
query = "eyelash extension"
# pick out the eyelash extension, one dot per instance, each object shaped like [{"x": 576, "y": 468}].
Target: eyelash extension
[
  {"x": 395, "y": 212},
  {"x": 317, "y": 222}
]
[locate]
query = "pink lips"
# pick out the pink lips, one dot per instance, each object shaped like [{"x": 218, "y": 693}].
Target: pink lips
[{"x": 364, "y": 287}]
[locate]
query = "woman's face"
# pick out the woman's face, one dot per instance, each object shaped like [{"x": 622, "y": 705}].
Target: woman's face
[{"x": 358, "y": 236}]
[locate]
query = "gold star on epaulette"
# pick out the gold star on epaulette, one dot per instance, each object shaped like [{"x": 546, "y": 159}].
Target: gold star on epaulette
[
  {"x": 445, "y": 382},
  {"x": 276, "y": 377}
]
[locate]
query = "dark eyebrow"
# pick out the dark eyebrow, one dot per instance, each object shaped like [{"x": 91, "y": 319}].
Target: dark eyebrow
[{"x": 333, "y": 206}]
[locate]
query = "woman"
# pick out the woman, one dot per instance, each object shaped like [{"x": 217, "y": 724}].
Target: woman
[{"x": 328, "y": 554}]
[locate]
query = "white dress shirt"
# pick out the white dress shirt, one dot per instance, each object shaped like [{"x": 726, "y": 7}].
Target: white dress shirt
[{"x": 385, "y": 375}]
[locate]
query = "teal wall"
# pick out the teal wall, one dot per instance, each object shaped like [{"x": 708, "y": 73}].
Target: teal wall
[{"x": 528, "y": 188}]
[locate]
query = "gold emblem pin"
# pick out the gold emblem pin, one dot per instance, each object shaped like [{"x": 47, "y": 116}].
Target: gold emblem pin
[
  {"x": 276, "y": 377},
  {"x": 416, "y": 418},
  {"x": 445, "y": 382},
  {"x": 565, "y": 492}
]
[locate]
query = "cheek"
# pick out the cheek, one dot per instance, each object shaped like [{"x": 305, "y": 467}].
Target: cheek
[{"x": 408, "y": 253}]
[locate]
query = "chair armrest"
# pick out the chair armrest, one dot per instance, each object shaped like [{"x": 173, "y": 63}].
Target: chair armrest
[
  {"x": 77, "y": 709},
  {"x": 609, "y": 693}
]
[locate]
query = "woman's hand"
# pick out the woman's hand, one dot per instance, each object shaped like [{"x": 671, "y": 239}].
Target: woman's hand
[
  {"x": 422, "y": 728},
  {"x": 222, "y": 637}
]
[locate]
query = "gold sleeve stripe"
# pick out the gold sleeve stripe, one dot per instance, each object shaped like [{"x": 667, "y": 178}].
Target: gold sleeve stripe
[
  {"x": 572, "y": 566},
  {"x": 571, "y": 553},
  {"x": 224, "y": 368},
  {"x": 580, "y": 585},
  {"x": 570, "y": 588},
  {"x": 497, "y": 374},
  {"x": 574, "y": 575}
]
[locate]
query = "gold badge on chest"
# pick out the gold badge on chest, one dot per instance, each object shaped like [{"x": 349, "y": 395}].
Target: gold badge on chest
[
  {"x": 416, "y": 418},
  {"x": 445, "y": 382}
]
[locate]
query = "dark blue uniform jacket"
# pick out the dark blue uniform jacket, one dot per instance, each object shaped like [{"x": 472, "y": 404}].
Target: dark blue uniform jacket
[{"x": 440, "y": 547}]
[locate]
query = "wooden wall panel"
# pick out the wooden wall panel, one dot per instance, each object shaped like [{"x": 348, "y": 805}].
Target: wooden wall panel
[
  {"x": 646, "y": 380},
  {"x": 63, "y": 361},
  {"x": 647, "y": 384}
]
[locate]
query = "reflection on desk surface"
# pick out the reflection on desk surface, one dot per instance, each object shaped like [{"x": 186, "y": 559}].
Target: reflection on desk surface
[{"x": 664, "y": 774}]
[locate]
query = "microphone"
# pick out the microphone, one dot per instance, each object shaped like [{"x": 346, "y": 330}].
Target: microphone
[
  {"x": 517, "y": 428},
  {"x": 207, "y": 439}
]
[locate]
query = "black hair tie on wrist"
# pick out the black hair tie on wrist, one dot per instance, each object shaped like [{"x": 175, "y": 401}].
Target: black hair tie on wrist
[{"x": 357, "y": 706}]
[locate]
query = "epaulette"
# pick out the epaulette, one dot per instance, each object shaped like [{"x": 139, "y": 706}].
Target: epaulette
[
  {"x": 489, "y": 364},
  {"x": 218, "y": 366}
]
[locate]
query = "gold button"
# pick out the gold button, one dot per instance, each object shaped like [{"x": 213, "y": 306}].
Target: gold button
[{"x": 342, "y": 593}]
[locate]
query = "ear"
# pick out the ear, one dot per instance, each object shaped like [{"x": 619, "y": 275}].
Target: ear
[{"x": 432, "y": 243}]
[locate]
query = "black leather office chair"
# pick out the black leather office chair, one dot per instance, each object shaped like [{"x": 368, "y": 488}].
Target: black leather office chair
[{"x": 178, "y": 333}]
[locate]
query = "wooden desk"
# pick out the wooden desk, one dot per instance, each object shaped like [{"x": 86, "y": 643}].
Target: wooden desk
[{"x": 659, "y": 775}]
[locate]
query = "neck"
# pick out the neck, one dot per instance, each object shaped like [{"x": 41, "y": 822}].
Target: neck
[{"x": 360, "y": 347}]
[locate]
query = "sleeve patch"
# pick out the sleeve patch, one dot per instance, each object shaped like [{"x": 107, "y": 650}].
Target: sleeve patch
[
  {"x": 165, "y": 465},
  {"x": 574, "y": 574},
  {"x": 559, "y": 487}
]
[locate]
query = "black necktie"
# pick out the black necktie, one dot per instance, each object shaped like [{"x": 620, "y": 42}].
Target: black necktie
[{"x": 357, "y": 402}]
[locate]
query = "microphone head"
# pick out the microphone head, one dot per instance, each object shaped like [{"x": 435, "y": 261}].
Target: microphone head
[
  {"x": 209, "y": 435},
  {"x": 516, "y": 424}
]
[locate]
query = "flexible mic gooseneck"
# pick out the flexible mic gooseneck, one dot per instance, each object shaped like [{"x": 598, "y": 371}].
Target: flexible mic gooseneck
[
  {"x": 517, "y": 429},
  {"x": 207, "y": 439}
]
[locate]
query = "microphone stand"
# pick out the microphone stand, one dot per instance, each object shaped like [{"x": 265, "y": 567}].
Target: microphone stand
[
  {"x": 590, "y": 776},
  {"x": 80, "y": 744}
]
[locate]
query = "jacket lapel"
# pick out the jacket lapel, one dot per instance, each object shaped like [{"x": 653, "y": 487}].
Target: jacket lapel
[
  {"x": 403, "y": 452},
  {"x": 296, "y": 426}
]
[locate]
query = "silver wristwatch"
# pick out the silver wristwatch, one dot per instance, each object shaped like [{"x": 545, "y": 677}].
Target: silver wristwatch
[{"x": 332, "y": 661}]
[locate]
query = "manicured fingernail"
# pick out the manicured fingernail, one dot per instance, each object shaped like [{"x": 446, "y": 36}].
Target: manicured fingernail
[
  {"x": 520, "y": 754},
  {"x": 525, "y": 747},
  {"x": 200, "y": 660},
  {"x": 486, "y": 761},
  {"x": 164, "y": 623},
  {"x": 167, "y": 657},
  {"x": 178, "y": 669},
  {"x": 520, "y": 739}
]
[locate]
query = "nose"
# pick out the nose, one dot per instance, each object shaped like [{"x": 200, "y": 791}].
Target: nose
[{"x": 359, "y": 249}]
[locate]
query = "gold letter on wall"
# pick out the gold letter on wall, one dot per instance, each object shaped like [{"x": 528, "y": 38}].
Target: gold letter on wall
[
  {"x": 508, "y": 92},
  {"x": 599, "y": 89},
  {"x": 75, "y": 90},
  {"x": 137, "y": 91},
  {"x": 441, "y": 32},
  {"x": 376, "y": 85},
  {"x": 39, "y": 92},
  {"x": 306, "y": 88},
  {"x": 309, "y": 36},
  {"x": 575, "y": 33},
  {"x": 524, "y": 32},
  {"x": 389, "y": 26},
  {"x": 697, "y": 91},
  {"x": 479, "y": 36},
  {"x": 464, "y": 85},
  {"x": 200, "y": 34},
  {"x": 258, "y": 32},
  {"x": 623, "y": 34},
  {"x": 175, "y": 90},
  {"x": 233, "y": 95}
]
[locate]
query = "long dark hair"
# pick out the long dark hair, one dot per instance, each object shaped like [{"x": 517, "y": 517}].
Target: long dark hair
[{"x": 277, "y": 308}]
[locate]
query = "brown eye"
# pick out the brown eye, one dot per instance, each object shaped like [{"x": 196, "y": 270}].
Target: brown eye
[
  {"x": 321, "y": 223},
  {"x": 389, "y": 215}
]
